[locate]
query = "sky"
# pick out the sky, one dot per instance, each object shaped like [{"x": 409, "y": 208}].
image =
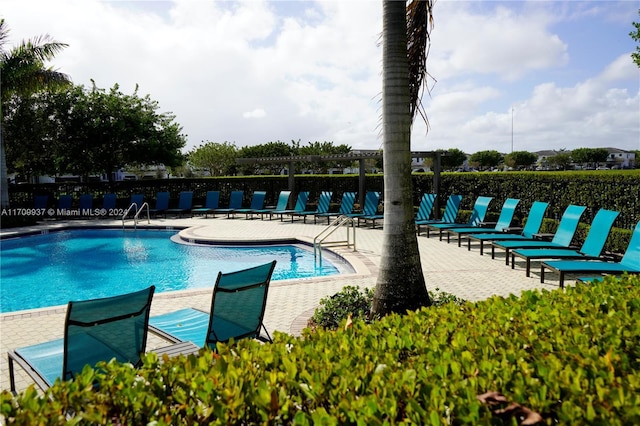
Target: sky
[{"x": 504, "y": 75}]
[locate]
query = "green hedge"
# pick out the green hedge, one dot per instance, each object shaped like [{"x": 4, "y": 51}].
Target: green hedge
[
  {"x": 611, "y": 189},
  {"x": 571, "y": 357}
]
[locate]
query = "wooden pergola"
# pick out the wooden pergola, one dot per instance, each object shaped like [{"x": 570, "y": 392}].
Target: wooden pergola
[{"x": 351, "y": 157}]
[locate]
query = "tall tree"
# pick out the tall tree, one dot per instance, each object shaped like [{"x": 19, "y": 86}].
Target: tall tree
[
  {"x": 590, "y": 156},
  {"x": 562, "y": 159},
  {"x": 219, "y": 159},
  {"x": 485, "y": 159},
  {"x": 400, "y": 285},
  {"x": 265, "y": 150},
  {"x": 322, "y": 148},
  {"x": 23, "y": 72},
  {"x": 92, "y": 131},
  {"x": 518, "y": 159},
  {"x": 635, "y": 35},
  {"x": 454, "y": 158}
]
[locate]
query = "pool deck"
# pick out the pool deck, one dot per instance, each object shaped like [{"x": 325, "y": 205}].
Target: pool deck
[{"x": 290, "y": 303}]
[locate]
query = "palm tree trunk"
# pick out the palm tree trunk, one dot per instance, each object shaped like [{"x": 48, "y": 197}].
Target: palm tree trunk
[
  {"x": 4, "y": 182},
  {"x": 400, "y": 285}
]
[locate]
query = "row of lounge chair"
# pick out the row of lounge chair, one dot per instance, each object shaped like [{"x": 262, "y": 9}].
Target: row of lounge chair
[
  {"x": 117, "y": 327},
  {"x": 526, "y": 243},
  {"x": 86, "y": 206},
  {"x": 213, "y": 207}
]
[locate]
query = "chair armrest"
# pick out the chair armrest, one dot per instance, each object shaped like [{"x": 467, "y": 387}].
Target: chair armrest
[
  {"x": 543, "y": 236},
  {"x": 513, "y": 230},
  {"x": 177, "y": 349},
  {"x": 487, "y": 224}
]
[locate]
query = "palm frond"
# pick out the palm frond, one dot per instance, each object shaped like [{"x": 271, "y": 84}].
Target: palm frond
[
  {"x": 43, "y": 48},
  {"x": 419, "y": 26},
  {"x": 23, "y": 67},
  {"x": 4, "y": 33}
]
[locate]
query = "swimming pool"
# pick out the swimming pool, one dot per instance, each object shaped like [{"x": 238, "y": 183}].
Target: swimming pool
[{"x": 51, "y": 269}]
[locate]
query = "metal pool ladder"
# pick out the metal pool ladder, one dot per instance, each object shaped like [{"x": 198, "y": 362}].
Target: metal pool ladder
[
  {"x": 320, "y": 240},
  {"x": 137, "y": 211}
]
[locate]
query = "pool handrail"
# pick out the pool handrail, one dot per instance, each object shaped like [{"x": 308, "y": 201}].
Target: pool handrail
[{"x": 137, "y": 211}]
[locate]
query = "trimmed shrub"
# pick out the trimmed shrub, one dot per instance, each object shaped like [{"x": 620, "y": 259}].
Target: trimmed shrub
[
  {"x": 560, "y": 357},
  {"x": 356, "y": 302},
  {"x": 350, "y": 301}
]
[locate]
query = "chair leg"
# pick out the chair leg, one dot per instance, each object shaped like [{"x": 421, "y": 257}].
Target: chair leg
[
  {"x": 268, "y": 336},
  {"x": 12, "y": 380}
]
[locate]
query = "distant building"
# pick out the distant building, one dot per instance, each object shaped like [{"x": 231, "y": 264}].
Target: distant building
[
  {"x": 621, "y": 159},
  {"x": 618, "y": 159}
]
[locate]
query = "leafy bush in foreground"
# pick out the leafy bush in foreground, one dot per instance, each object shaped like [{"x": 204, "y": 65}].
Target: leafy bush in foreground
[{"x": 563, "y": 357}]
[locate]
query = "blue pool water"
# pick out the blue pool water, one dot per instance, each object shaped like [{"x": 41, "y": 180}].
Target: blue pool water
[{"x": 51, "y": 269}]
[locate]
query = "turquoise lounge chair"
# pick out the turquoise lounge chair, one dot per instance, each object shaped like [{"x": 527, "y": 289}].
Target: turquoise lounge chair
[
  {"x": 323, "y": 207},
  {"x": 630, "y": 263},
  {"x": 40, "y": 205},
  {"x": 185, "y": 202},
  {"x": 210, "y": 204},
  {"x": 425, "y": 209},
  {"x": 503, "y": 223},
  {"x": 41, "y": 202},
  {"x": 162, "y": 205},
  {"x": 109, "y": 202},
  {"x": 108, "y": 205},
  {"x": 95, "y": 330},
  {"x": 64, "y": 202},
  {"x": 257, "y": 204},
  {"x": 591, "y": 248},
  {"x": 301, "y": 205},
  {"x": 599, "y": 278},
  {"x": 136, "y": 200},
  {"x": 480, "y": 208},
  {"x": 450, "y": 213},
  {"x": 427, "y": 202},
  {"x": 237, "y": 309},
  {"x": 346, "y": 207},
  {"x": 281, "y": 204},
  {"x": 235, "y": 203},
  {"x": 532, "y": 226},
  {"x": 371, "y": 202},
  {"x": 562, "y": 238},
  {"x": 370, "y": 208},
  {"x": 86, "y": 205}
]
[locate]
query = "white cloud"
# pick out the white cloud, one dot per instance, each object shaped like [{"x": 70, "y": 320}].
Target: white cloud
[
  {"x": 315, "y": 67},
  {"x": 504, "y": 43},
  {"x": 620, "y": 69},
  {"x": 256, "y": 113}
]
